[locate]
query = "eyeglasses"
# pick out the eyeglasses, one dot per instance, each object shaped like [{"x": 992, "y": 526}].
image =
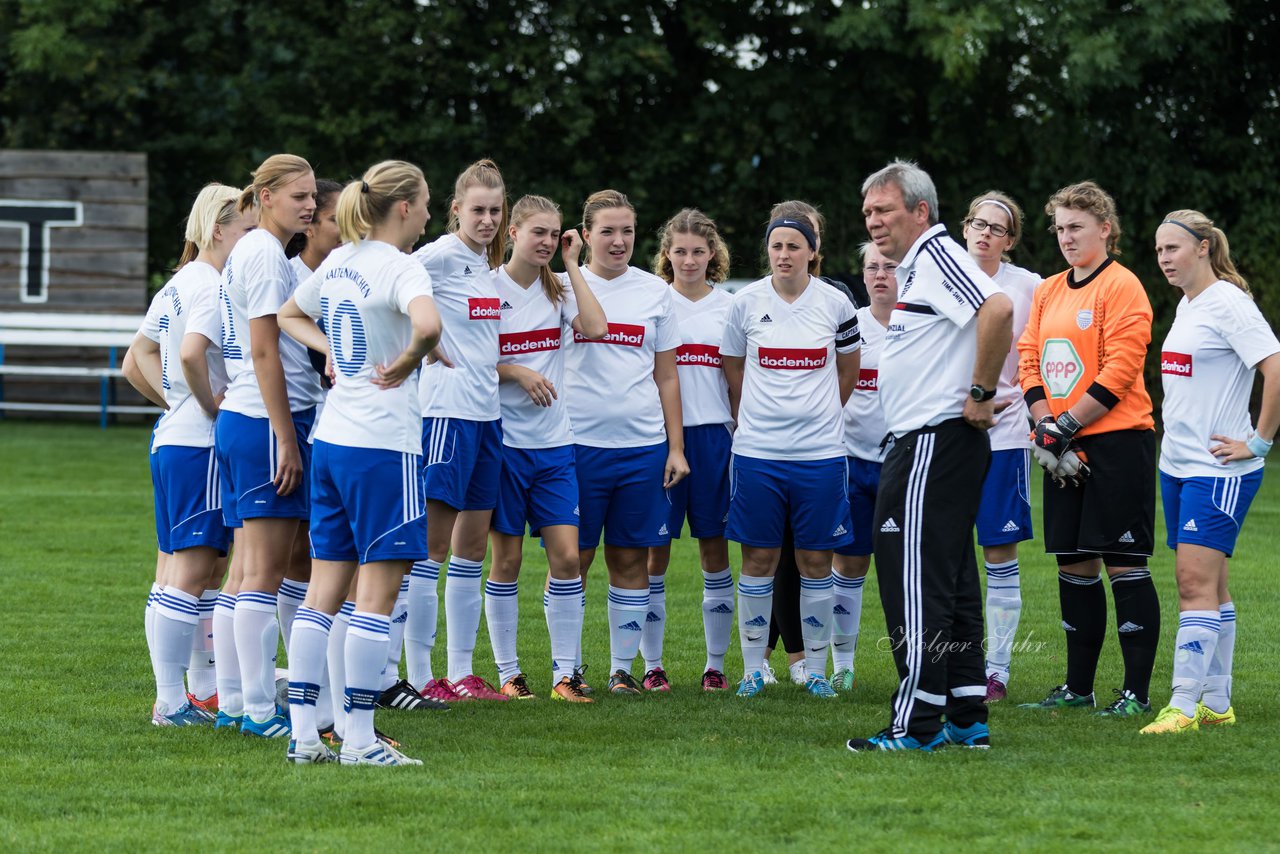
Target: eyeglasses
[
  {"x": 875, "y": 269},
  {"x": 983, "y": 225}
]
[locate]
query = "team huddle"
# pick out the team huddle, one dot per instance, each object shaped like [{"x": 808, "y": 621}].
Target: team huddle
[{"x": 355, "y": 416}]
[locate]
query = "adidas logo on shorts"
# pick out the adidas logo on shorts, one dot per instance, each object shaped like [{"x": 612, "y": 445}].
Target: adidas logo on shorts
[
  {"x": 1126, "y": 537},
  {"x": 722, "y": 608},
  {"x": 662, "y": 532},
  {"x": 812, "y": 621},
  {"x": 1010, "y": 527},
  {"x": 1127, "y": 627},
  {"x": 632, "y": 626},
  {"x": 890, "y": 527},
  {"x": 1193, "y": 646},
  {"x": 1190, "y": 526},
  {"x": 840, "y": 531},
  {"x": 575, "y": 510}
]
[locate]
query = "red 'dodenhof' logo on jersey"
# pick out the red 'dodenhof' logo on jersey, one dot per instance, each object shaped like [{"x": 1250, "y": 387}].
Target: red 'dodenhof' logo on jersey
[
  {"x": 698, "y": 354},
  {"x": 484, "y": 308},
  {"x": 793, "y": 358},
  {"x": 868, "y": 380},
  {"x": 625, "y": 334},
  {"x": 537, "y": 341},
  {"x": 1178, "y": 364}
]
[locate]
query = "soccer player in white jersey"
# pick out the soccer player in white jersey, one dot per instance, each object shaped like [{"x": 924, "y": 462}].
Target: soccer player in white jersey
[
  {"x": 693, "y": 259},
  {"x": 461, "y": 434},
  {"x": 1211, "y": 459},
  {"x": 864, "y": 445},
  {"x": 790, "y": 352},
  {"x": 189, "y": 523},
  {"x": 623, "y": 395},
  {"x": 539, "y": 479},
  {"x": 992, "y": 228},
  {"x": 366, "y": 501},
  {"x": 262, "y": 428}
]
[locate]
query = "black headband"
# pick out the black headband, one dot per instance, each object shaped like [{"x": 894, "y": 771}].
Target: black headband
[
  {"x": 1188, "y": 229},
  {"x": 802, "y": 227}
]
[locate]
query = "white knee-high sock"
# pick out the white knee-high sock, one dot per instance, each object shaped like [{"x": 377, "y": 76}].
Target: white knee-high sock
[
  {"x": 655, "y": 623},
  {"x": 290, "y": 598},
  {"x": 366, "y": 655},
  {"x": 308, "y": 647},
  {"x": 755, "y": 606},
  {"x": 577, "y": 659},
  {"x": 337, "y": 656},
  {"x": 846, "y": 611},
  {"x": 230, "y": 693},
  {"x": 502, "y": 613},
  {"x": 395, "y": 641},
  {"x": 1004, "y": 611},
  {"x": 462, "y": 604},
  {"x": 177, "y": 615},
  {"x": 149, "y": 620},
  {"x": 717, "y": 615},
  {"x": 817, "y": 601},
  {"x": 1193, "y": 649},
  {"x": 256, "y": 642},
  {"x": 420, "y": 627},
  {"x": 1217, "y": 683},
  {"x": 201, "y": 673},
  {"x": 626, "y": 623},
  {"x": 563, "y": 605}
]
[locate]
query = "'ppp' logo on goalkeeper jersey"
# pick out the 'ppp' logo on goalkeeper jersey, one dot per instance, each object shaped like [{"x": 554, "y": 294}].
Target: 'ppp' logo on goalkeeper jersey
[{"x": 1060, "y": 367}]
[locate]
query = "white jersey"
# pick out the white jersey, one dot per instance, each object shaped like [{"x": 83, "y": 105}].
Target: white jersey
[
  {"x": 1207, "y": 365},
  {"x": 1012, "y": 430},
  {"x": 468, "y": 304},
  {"x": 363, "y": 294},
  {"x": 531, "y": 334},
  {"x": 864, "y": 429},
  {"x": 704, "y": 393},
  {"x": 790, "y": 405},
  {"x": 256, "y": 280},
  {"x": 609, "y": 386},
  {"x": 926, "y": 367},
  {"x": 184, "y": 422},
  {"x": 300, "y": 269}
]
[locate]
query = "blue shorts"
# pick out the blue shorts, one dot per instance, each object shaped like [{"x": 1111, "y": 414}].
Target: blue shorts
[
  {"x": 1004, "y": 512},
  {"x": 366, "y": 505},
  {"x": 464, "y": 462},
  {"x": 814, "y": 494},
  {"x": 1207, "y": 511},
  {"x": 703, "y": 496},
  {"x": 247, "y": 464},
  {"x": 188, "y": 499},
  {"x": 538, "y": 486},
  {"x": 864, "y": 483},
  {"x": 620, "y": 492}
]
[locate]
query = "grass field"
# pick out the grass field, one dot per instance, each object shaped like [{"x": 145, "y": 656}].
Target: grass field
[{"x": 83, "y": 768}]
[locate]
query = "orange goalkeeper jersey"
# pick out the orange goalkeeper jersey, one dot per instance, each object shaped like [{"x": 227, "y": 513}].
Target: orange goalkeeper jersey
[{"x": 1090, "y": 336}]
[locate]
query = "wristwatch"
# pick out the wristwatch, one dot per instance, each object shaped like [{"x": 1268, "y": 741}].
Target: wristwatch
[{"x": 980, "y": 394}]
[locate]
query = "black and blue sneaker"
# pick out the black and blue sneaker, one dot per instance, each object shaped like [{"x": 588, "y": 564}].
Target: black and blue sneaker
[
  {"x": 974, "y": 735},
  {"x": 884, "y": 741}
]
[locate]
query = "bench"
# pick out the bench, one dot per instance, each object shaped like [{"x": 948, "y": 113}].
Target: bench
[{"x": 110, "y": 332}]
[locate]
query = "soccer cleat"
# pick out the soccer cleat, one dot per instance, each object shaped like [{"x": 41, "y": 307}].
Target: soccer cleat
[
  {"x": 1206, "y": 716},
  {"x": 209, "y": 704},
  {"x": 477, "y": 689},
  {"x": 517, "y": 688},
  {"x": 656, "y": 680},
  {"x": 310, "y": 754},
  {"x": 330, "y": 736},
  {"x": 226, "y": 721},
  {"x": 378, "y": 753},
  {"x": 569, "y": 690},
  {"x": 818, "y": 686},
  {"x": 842, "y": 680},
  {"x": 883, "y": 741},
  {"x": 582, "y": 682},
  {"x": 186, "y": 715},
  {"x": 996, "y": 690},
  {"x": 767, "y": 676},
  {"x": 1170, "y": 720},
  {"x": 444, "y": 691},
  {"x": 751, "y": 684},
  {"x": 402, "y": 696},
  {"x": 1062, "y": 698},
  {"x": 799, "y": 674},
  {"x": 1125, "y": 705},
  {"x": 276, "y": 726},
  {"x": 714, "y": 680},
  {"x": 623, "y": 684},
  {"x": 975, "y": 735}
]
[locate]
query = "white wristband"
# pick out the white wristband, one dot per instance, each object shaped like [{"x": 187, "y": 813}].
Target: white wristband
[{"x": 1258, "y": 446}]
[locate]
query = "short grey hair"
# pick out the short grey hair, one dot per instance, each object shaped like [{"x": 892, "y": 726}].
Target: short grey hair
[{"x": 914, "y": 182}]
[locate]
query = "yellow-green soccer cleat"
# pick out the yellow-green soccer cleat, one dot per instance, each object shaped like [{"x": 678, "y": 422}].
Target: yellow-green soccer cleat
[
  {"x": 1170, "y": 720},
  {"x": 1206, "y": 716}
]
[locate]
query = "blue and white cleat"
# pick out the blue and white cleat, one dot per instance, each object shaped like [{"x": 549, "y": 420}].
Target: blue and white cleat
[
  {"x": 378, "y": 753},
  {"x": 975, "y": 735},
  {"x": 751, "y": 684},
  {"x": 883, "y": 741},
  {"x": 310, "y": 754},
  {"x": 276, "y": 726},
  {"x": 818, "y": 686},
  {"x": 226, "y": 721},
  {"x": 186, "y": 715}
]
